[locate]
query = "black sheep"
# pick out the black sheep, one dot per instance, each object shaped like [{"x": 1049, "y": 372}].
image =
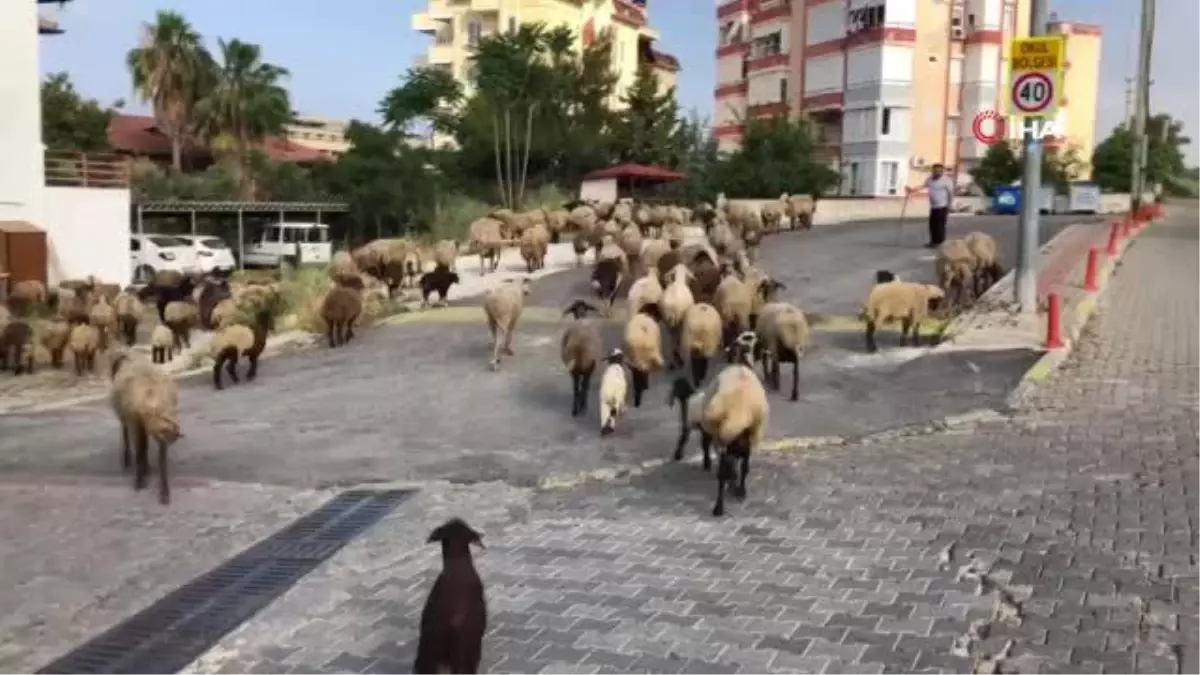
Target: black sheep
[
  {"x": 455, "y": 615},
  {"x": 440, "y": 280},
  {"x": 606, "y": 280},
  {"x": 884, "y": 276},
  {"x": 164, "y": 294}
]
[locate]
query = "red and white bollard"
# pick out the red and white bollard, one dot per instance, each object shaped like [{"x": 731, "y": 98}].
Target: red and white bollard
[
  {"x": 1053, "y": 322},
  {"x": 1114, "y": 239},
  {"x": 1091, "y": 281}
]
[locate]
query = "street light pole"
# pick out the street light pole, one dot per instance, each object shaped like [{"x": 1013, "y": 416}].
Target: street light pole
[
  {"x": 1025, "y": 288},
  {"x": 1141, "y": 105}
]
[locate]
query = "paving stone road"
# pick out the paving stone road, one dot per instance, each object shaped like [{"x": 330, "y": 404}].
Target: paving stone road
[{"x": 1068, "y": 529}]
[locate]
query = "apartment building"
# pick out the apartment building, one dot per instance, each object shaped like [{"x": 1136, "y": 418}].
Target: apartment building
[
  {"x": 327, "y": 136},
  {"x": 891, "y": 86},
  {"x": 456, "y": 25}
]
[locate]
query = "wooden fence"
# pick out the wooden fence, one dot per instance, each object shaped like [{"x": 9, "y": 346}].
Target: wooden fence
[{"x": 94, "y": 170}]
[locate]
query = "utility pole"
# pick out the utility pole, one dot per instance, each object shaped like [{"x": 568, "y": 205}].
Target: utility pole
[
  {"x": 1127, "y": 120},
  {"x": 1031, "y": 193},
  {"x": 1141, "y": 105}
]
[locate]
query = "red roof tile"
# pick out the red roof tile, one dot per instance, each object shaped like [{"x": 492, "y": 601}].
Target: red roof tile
[
  {"x": 140, "y": 135},
  {"x": 635, "y": 172}
]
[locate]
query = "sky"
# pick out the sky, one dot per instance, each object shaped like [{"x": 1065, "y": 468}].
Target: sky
[{"x": 344, "y": 55}]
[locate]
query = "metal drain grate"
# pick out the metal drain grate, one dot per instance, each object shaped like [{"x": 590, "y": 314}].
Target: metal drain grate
[{"x": 168, "y": 635}]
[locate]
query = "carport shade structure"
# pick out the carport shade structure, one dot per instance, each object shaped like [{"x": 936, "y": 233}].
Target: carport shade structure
[{"x": 634, "y": 174}]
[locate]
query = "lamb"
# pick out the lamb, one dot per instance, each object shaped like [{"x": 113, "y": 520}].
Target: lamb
[
  {"x": 631, "y": 243},
  {"x": 84, "y": 342},
  {"x": 707, "y": 276},
  {"x": 104, "y": 318},
  {"x": 181, "y": 317},
  {"x": 16, "y": 344},
  {"x": 55, "y": 335},
  {"x": 732, "y": 410},
  {"x": 169, "y": 286},
  {"x": 580, "y": 349},
  {"x": 556, "y": 223},
  {"x": 224, "y": 313},
  {"x": 642, "y": 345},
  {"x": 607, "y": 277},
  {"x": 237, "y": 340},
  {"x": 455, "y": 615},
  {"x": 340, "y": 310},
  {"x": 484, "y": 238},
  {"x": 146, "y": 402},
  {"x": 721, "y": 237},
  {"x": 503, "y": 306},
  {"x": 700, "y": 338},
  {"x": 129, "y": 313},
  {"x": 986, "y": 266},
  {"x": 902, "y": 301},
  {"x": 734, "y": 301},
  {"x": 445, "y": 252},
  {"x": 534, "y": 241},
  {"x": 799, "y": 208},
  {"x": 783, "y": 337},
  {"x": 614, "y": 392},
  {"x": 25, "y": 294},
  {"x": 439, "y": 279},
  {"x": 162, "y": 344},
  {"x": 772, "y": 215},
  {"x": 645, "y": 291},
  {"x": 676, "y": 300},
  {"x": 955, "y": 265},
  {"x": 342, "y": 267}
]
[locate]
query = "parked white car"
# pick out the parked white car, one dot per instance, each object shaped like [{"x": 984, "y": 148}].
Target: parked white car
[
  {"x": 309, "y": 241},
  {"x": 153, "y": 252},
  {"x": 212, "y": 253}
]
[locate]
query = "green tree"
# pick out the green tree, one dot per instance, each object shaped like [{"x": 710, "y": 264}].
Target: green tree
[
  {"x": 1000, "y": 165},
  {"x": 71, "y": 122},
  {"x": 172, "y": 72},
  {"x": 386, "y": 182},
  {"x": 695, "y": 154},
  {"x": 247, "y": 104},
  {"x": 645, "y": 127},
  {"x": 1112, "y": 160},
  {"x": 776, "y": 156},
  {"x": 427, "y": 94},
  {"x": 1060, "y": 166}
]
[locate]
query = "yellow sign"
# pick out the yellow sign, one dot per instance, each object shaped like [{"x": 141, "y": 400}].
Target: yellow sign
[{"x": 1035, "y": 72}]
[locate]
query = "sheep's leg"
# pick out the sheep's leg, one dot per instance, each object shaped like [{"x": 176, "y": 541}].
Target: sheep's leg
[
  {"x": 56, "y": 357},
  {"x": 584, "y": 388},
  {"x": 775, "y": 378},
  {"x": 916, "y": 333},
  {"x": 252, "y": 371},
  {"x": 497, "y": 348},
  {"x": 329, "y": 334},
  {"x": 508, "y": 338},
  {"x": 796, "y": 376},
  {"x": 576, "y": 379},
  {"x": 739, "y": 491},
  {"x": 699, "y": 369},
  {"x": 685, "y": 430},
  {"x": 78, "y": 365},
  {"x": 142, "y": 450},
  {"x": 231, "y": 367},
  {"x": 870, "y": 333},
  {"x": 724, "y": 474},
  {"x": 641, "y": 382},
  {"x": 706, "y": 440},
  {"x": 164, "y": 487},
  {"x": 906, "y": 327},
  {"x": 216, "y": 371},
  {"x": 126, "y": 453}
]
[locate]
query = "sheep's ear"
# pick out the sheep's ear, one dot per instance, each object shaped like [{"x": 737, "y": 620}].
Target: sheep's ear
[{"x": 437, "y": 535}]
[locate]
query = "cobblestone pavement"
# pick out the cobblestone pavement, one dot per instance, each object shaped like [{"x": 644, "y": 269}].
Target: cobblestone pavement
[
  {"x": 1059, "y": 539},
  {"x": 830, "y": 269}
]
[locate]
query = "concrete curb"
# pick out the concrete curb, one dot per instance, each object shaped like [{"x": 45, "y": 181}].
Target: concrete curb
[{"x": 1053, "y": 359}]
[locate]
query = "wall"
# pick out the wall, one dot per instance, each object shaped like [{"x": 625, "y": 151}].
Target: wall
[
  {"x": 88, "y": 233},
  {"x": 602, "y": 189},
  {"x": 1081, "y": 83},
  {"x": 22, "y": 164}
]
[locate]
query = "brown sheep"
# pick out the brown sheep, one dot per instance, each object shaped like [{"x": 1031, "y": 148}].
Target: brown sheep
[
  {"x": 181, "y": 316},
  {"x": 485, "y": 238},
  {"x": 104, "y": 318},
  {"x": 503, "y": 306},
  {"x": 26, "y": 294},
  {"x": 235, "y": 341},
  {"x": 129, "y": 313},
  {"x": 455, "y": 615},
  {"x": 340, "y": 310},
  {"x": 84, "y": 342},
  {"x": 16, "y": 343},
  {"x": 146, "y": 402},
  {"x": 54, "y": 338}
]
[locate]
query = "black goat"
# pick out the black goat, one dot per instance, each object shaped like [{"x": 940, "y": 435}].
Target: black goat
[{"x": 455, "y": 615}]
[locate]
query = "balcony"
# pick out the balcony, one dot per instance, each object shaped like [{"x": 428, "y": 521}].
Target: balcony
[
  {"x": 485, "y": 5},
  {"x": 90, "y": 170}
]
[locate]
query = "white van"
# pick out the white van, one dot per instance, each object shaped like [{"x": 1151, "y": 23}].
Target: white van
[{"x": 309, "y": 241}]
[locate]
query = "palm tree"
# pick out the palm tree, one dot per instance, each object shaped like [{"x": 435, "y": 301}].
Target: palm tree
[
  {"x": 171, "y": 71},
  {"x": 247, "y": 103}
]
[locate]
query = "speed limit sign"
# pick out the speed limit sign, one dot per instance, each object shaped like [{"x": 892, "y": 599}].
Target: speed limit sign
[{"x": 1032, "y": 93}]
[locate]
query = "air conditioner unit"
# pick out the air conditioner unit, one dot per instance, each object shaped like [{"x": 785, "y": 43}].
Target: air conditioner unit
[
  {"x": 958, "y": 33},
  {"x": 917, "y": 162}
]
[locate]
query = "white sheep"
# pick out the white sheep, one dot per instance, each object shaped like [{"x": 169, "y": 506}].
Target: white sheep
[
  {"x": 783, "y": 336},
  {"x": 732, "y": 410},
  {"x": 902, "y": 301},
  {"x": 614, "y": 392},
  {"x": 676, "y": 299},
  {"x": 580, "y": 349},
  {"x": 642, "y": 345},
  {"x": 503, "y": 305},
  {"x": 700, "y": 338},
  {"x": 645, "y": 291}
]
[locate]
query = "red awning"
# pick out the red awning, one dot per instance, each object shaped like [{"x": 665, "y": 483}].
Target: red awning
[{"x": 635, "y": 172}]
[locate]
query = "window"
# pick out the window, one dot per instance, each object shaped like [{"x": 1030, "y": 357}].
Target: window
[
  {"x": 866, "y": 18},
  {"x": 970, "y": 21},
  {"x": 783, "y": 86},
  {"x": 745, "y": 69},
  {"x": 956, "y": 17},
  {"x": 768, "y": 45},
  {"x": 316, "y": 235},
  {"x": 853, "y": 178},
  {"x": 885, "y": 121},
  {"x": 891, "y": 177},
  {"x": 474, "y": 32},
  {"x": 135, "y": 245},
  {"x": 956, "y": 71},
  {"x": 512, "y": 24},
  {"x": 167, "y": 242},
  {"x": 1008, "y": 19},
  {"x": 214, "y": 243},
  {"x": 293, "y": 235}
]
